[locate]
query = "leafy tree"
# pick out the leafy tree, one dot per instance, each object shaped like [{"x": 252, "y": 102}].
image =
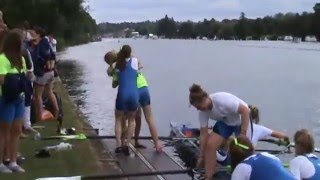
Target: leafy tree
[
  {"x": 68, "y": 20},
  {"x": 280, "y": 24}
]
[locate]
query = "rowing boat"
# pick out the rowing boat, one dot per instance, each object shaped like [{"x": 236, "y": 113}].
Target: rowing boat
[{"x": 188, "y": 150}]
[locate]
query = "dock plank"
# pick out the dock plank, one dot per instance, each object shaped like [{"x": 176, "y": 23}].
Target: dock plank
[
  {"x": 161, "y": 161},
  {"x": 130, "y": 164}
]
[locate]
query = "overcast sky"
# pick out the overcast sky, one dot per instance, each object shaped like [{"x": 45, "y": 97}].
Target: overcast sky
[{"x": 195, "y": 10}]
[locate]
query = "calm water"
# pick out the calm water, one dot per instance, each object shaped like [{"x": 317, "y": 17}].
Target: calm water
[{"x": 282, "y": 78}]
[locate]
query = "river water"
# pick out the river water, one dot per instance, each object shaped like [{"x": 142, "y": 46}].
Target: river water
[{"x": 282, "y": 78}]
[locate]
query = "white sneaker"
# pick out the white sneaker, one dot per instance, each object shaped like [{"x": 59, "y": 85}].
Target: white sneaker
[
  {"x": 4, "y": 169},
  {"x": 221, "y": 156},
  {"x": 16, "y": 168}
]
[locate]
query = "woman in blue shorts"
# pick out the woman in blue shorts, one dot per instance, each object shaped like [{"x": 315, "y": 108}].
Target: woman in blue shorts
[
  {"x": 127, "y": 101},
  {"x": 12, "y": 79}
]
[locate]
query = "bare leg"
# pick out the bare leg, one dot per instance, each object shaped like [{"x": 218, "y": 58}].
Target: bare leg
[
  {"x": 118, "y": 128},
  {"x": 152, "y": 126},
  {"x": 4, "y": 146},
  {"x": 213, "y": 143},
  {"x": 4, "y": 136},
  {"x": 131, "y": 126},
  {"x": 27, "y": 123},
  {"x": 53, "y": 99},
  {"x": 138, "y": 129},
  {"x": 124, "y": 129},
  {"x": 15, "y": 133},
  {"x": 38, "y": 101}
]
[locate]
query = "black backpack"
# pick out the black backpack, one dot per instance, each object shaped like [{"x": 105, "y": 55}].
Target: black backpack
[{"x": 13, "y": 86}]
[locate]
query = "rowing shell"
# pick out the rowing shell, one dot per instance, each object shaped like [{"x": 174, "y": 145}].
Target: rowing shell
[{"x": 188, "y": 151}]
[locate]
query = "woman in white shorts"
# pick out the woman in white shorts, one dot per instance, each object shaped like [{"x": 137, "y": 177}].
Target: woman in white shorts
[{"x": 42, "y": 56}]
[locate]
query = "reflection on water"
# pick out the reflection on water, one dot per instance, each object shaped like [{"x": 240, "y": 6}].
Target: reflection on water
[
  {"x": 71, "y": 74},
  {"x": 74, "y": 76},
  {"x": 88, "y": 84}
]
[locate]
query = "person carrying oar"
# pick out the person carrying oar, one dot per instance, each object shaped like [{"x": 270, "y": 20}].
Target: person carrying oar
[
  {"x": 305, "y": 165},
  {"x": 249, "y": 166},
  {"x": 232, "y": 115}
]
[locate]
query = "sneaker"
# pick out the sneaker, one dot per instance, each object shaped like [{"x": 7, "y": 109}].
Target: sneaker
[
  {"x": 16, "y": 168},
  {"x": 221, "y": 156},
  {"x": 4, "y": 169}
]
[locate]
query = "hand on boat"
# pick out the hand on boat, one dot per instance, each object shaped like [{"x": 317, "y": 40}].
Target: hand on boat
[
  {"x": 286, "y": 140},
  {"x": 159, "y": 146}
]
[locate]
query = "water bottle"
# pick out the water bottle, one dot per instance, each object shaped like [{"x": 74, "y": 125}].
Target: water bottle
[
  {"x": 184, "y": 129},
  {"x": 63, "y": 146},
  {"x": 37, "y": 136},
  {"x": 60, "y": 147}
]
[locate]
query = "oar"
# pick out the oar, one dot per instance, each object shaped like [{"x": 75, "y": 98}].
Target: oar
[
  {"x": 113, "y": 176},
  {"x": 188, "y": 171},
  {"x": 272, "y": 151},
  {"x": 280, "y": 142},
  {"x": 83, "y": 136}
]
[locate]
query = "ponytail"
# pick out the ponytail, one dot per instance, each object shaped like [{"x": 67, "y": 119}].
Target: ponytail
[
  {"x": 255, "y": 115},
  {"x": 197, "y": 94},
  {"x": 124, "y": 53}
]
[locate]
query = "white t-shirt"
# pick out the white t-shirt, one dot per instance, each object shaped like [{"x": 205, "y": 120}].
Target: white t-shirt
[
  {"x": 134, "y": 64},
  {"x": 259, "y": 132},
  {"x": 243, "y": 171},
  {"x": 301, "y": 167},
  {"x": 225, "y": 108}
]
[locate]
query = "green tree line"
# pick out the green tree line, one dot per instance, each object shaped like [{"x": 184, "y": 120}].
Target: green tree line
[
  {"x": 68, "y": 20},
  {"x": 289, "y": 24}
]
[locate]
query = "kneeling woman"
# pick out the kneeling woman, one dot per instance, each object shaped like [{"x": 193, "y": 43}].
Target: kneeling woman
[
  {"x": 306, "y": 165},
  {"x": 250, "y": 166}
]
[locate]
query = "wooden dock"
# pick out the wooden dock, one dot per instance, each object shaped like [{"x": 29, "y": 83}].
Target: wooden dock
[{"x": 146, "y": 160}]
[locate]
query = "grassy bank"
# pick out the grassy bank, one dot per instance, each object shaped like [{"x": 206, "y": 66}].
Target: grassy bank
[{"x": 84, "y": 159}]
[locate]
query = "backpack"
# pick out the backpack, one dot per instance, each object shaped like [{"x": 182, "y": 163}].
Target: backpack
[{"x": 13, "y": 86}]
